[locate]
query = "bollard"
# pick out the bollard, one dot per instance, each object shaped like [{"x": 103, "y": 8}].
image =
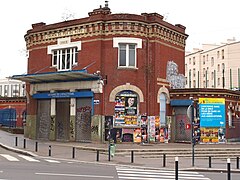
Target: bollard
[
  {"x": 176, "y": 168},
  {"x": 228, "y": 169},
  {"x": 49, "y": 150},
  {"x": 16, "y": 141},
  {"x": 237, "y": 163},
  {"x": 73, "y": 152},
  {"x": 209, "y": 161},
  {"x": 24, "y": 143},
  {"x": 36, "y": 146},
  {"x": 164, "y": 160},
  {"x": 97, "y": 155},
  {"x": 132, "y": 157}
]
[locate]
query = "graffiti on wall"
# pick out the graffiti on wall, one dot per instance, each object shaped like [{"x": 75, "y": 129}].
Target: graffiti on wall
[
  {"x": 44, "y": 125},
  {"x": 176, "y": 80}
]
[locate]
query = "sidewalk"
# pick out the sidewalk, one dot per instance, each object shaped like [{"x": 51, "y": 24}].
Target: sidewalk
[{"x": 87, "y": 152}]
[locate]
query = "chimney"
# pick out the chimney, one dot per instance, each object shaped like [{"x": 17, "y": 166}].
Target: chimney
[{"x": 106, "y": 4}]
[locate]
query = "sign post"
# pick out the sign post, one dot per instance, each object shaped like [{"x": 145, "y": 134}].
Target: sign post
[{"x": 190, "y": 114}]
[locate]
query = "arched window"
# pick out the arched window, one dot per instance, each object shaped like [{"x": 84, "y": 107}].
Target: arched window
[{"x": 162, "y": 109}]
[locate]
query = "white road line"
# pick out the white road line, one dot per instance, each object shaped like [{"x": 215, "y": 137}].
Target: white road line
[
  {"x": 28, "y": 158},
  {"x": 8, "y": 157},
  {"x": 52, "y": 161},
  {"x": 159, "y": 173},
  {"x": 152, "y": 170},
  {"x": 75, "y": 175},
  {"x": 145, "y": 174}
]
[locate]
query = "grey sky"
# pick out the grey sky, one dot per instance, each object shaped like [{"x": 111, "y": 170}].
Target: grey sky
[{"x": 206, "y": 21}]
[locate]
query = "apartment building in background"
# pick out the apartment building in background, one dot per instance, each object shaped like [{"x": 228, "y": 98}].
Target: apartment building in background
[
  {"x": 12, "y": 103},
  {"x": 12, "y": 88},
  {"x": 214, "y": 66}
]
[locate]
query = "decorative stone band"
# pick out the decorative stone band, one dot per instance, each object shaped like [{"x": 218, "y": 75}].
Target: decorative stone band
[{"x": 108, "y": 28}]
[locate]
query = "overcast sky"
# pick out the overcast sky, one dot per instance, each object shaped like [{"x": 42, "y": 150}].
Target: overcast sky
[{"x": 206, "y": 21}]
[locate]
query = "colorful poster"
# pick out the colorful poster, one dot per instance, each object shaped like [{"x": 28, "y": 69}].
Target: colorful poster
[
  {"x": 131, "y": 106},
  {"x": 144, "y": 121},
  {"x": 137, "y": 135},
  {"x": 131, "y": 120},
  {"x": 126, "y": 110},
  {"x": 162, "y": 135},
  {"x": 151, "y": 129},
  {"x": 127, "y": 135},
  {"x": 209, "y": 135},
  {"x": 144, "y": 127}
]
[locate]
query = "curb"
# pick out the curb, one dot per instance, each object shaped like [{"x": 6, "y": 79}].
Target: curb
[{"x": 27, "y": 153}]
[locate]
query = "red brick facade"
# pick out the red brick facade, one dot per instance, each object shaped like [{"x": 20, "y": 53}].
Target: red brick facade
[{"x": 161, "y": 42}]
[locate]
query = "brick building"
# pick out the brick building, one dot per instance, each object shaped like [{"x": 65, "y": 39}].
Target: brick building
[{"x": 84, "y": 72}]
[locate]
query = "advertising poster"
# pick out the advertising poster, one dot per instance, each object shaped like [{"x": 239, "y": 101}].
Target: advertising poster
[
  {"x": 119, "y": 111},
  {"x": 131, "y": 120},
  {"x": 144, "y": 127},
  {"x": 127, "y": 135},
  {"x": 162, "y": 135},
  {"x": 108, "y": 125},
  {"x": 131, "y": 106},
  {"x": 157, "y": 129},
  {"x": 137, "y": 135},
  {"x": 151, "y": 129},
  {"x": 125, "y": 111},
  {"x": 209, "y": 135},
  {"x": 212, "y": 112}
]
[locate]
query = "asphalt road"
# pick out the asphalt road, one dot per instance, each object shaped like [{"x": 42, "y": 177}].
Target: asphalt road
[{"x": 15, "y": 166}]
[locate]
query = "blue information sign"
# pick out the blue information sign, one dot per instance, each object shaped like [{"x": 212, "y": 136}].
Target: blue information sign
[{"x": 212, "y": 114}]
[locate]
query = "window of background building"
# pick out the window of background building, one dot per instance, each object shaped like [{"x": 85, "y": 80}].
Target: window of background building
[
  {"x": 212, "y": 76},
  {"x": 212, "y": 61},
  {"x": 194, "y": 83},
  {"x": 64, "y": 59},
  {"x": 204, "y": 72},
  {"x": 189, "y": 60},
  {"x": 218, "y": 68},
  {"x": 218, "y": 81},
  {"x": 218, "y": 54},
  {"x": 194, "y": 61},
  {"x": 127, "y": 55},
  {"x": 15, "y": 90},
  {"x": 222, "y": 53},
  {"x": 204, "y": 84},
  {"x": 0, "y": 90},
  {"x": 194, "y": 72},
  {"x": 23, "y": 90},
  {"x": 223, "y": 66},
  {"x": 6, "y": 89}
]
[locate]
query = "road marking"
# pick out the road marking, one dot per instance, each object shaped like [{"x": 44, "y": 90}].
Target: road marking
[
  {"x": 75, "y": 175},
  {"x": 52, "y": 161},
  {"x": 28, "y": 158},
  {"x": 142, "y": 174},
  {"x": 8, "y": 157}
]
